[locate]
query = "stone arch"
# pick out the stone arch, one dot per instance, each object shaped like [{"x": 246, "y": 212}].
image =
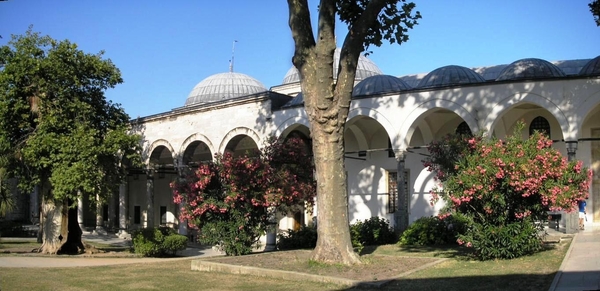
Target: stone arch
[
  {"x": 192, "y": 138},
  {"x": 409, "y": 124},
  {"x": 509, "y": 102},
  {"x": 582, "y": 112},
  {"x": 375, "y": 115},
  {"x": 156, "y": 144},
  {"x": 292, "y": 121},
  {"x": 239, "y": 131}
]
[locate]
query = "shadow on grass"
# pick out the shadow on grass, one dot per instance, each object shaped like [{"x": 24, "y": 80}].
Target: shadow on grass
[{"x": 524, "y": 282}]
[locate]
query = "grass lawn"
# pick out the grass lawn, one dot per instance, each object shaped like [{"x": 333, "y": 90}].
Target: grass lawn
[{"x": 457, "y": 273}]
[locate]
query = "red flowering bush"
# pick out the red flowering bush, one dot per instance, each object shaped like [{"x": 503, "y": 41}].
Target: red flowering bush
[
  {"x": 228, "y": 200},
  {"x": 504, "y": 186}
]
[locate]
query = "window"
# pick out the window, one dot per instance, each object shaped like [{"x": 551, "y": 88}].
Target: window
[
  {"x": 163, "y": 215},
  {"x": 137, "y": 214},
  {"x": 463, "y": 129},
  {"x": 541, "y": 125}
]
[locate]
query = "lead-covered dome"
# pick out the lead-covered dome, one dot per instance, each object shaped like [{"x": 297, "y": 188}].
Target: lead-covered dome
[
  {"x": 364, "y": 69},
  {"x": 224, "y": 86},
  {"x": 449, "y": 76},
  {"x": 592, "y": 68},
  {"x": 379, "y": 84},
  {"x": 530, "y": 68}
]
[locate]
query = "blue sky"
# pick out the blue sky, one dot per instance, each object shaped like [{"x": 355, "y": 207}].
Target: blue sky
[{"x": 164, "y": 48}]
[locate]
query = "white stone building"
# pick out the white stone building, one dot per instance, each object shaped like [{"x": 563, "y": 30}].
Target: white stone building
[{"x": 391, "y": 121}]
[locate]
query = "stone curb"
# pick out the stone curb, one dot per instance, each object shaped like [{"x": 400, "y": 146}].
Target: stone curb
[
  {"x": 208, "y": 266},
  {"x": 562, "y": 265}
]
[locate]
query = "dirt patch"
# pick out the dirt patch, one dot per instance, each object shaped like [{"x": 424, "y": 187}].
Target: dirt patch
[{"x": 373, "y": 267}]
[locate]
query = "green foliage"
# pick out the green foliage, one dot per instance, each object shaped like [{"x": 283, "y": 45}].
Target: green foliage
[
  {"x": 508, "y": 241},
  {"x": 56, "y": 127},
  {"x": 158, "y": 242},
  {"x": 595, "y": 9},
  {"x": 393, "y": 21},
  {"x": 434, "y": 230},
  {"x": 373, "y": 231},
  {"x": 303, "y": 238},
  {"x": 10, "y": 228}
]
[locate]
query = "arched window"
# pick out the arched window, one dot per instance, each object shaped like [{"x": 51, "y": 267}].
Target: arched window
[
  {"x": 541, "y": 125},
  {"x": 463, "y": 129}
]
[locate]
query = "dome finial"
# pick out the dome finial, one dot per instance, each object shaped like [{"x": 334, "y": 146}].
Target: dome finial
[{"x": 232, "y": 55}]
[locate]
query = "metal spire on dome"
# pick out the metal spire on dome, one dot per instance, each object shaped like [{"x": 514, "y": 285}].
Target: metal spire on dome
[{"x": 232, "y": 56}]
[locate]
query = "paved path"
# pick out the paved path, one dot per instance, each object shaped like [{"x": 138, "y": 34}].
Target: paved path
[
  {"x": 82, "y": 261},
  {"x": 580, "y": 269}
]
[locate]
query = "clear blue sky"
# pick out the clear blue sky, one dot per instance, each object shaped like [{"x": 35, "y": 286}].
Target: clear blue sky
[{"x": 164, "y": 48}]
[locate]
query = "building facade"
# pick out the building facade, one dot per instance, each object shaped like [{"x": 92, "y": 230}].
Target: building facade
[{"x": 391, "y": 121}]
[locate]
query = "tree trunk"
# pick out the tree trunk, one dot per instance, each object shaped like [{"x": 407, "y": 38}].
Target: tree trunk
[
  {"x": 333, "y": 244},
  {"x": 60, "y": 230}
]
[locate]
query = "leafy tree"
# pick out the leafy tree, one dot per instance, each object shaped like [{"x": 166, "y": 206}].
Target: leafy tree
[
  {"x": 327, "y": 102},
  {"x": 58, "y": 131},
  {"x": 595, "y": 9},
  {"x": 505, "y": 186},
  {"x": 230, "y": 200}
]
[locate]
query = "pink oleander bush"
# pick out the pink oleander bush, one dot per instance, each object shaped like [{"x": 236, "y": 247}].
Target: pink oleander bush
[
  {"x": 228, "y": 200},
  {"x": 503, "y": 187}
]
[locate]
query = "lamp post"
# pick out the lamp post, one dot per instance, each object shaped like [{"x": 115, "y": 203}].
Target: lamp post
[{"x": 572, "y": 224}]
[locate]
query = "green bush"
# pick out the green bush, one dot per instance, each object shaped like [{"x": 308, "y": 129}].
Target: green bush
[
  {"x": 434, "y": 231},
  {"x": 303, "y": 238},
  {"x": 503, "y": 242},
  {"x": 373, "y": 231},
  {"x": 158, "y": 242},
  {"x": 10, "y": 228}
]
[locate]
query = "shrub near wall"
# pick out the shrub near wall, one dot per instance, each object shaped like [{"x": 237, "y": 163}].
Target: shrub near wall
[
  {"x": 373, "y": 231},
  {"x": 158, "y": 242},
  {"x": 434, "y": 230}
]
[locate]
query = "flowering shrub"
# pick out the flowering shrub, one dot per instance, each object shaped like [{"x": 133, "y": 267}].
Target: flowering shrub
[
  {"x": 508, "y": 184},
  {"x": 228, "y": 200}
]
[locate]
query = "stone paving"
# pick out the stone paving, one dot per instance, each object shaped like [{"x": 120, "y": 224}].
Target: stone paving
[{"x": 580, "y": 269}]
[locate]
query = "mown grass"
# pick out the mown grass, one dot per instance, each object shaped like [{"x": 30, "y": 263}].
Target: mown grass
[{"x": 459, "y": 272}]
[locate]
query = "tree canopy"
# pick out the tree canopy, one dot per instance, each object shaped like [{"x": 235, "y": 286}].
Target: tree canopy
[
  {"x": 595, "y": 9},
  {"x": 57, "y": 129},
  {"x": 55, "y": 122}
]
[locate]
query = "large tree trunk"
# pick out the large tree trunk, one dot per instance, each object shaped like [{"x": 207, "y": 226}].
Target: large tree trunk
[
  {"x": 333, "y": 244},
  {"x": 60, "y": 230}
]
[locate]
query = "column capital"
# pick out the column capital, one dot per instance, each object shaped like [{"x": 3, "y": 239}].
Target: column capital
[{"x": 400, "y": 154}]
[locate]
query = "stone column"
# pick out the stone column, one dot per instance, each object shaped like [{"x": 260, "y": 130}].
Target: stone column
[
  {"x": 80, "y": 216},
  {"x": 150, "y": 199},
  {"x": 34, "y": 205},
  {"x": 112, "y": 212},
  {"x": 182, "y": 223},
  {"x": 123, "y": 209},
  {"x": 271, "y": 244},
  {"x": 401, "y": 213},
  {"x": 99, "y": 218},
  {"x": 571, "y": 219}
]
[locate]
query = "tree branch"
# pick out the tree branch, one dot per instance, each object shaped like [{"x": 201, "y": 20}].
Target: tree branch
[{"x": 301, "y": 28}]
